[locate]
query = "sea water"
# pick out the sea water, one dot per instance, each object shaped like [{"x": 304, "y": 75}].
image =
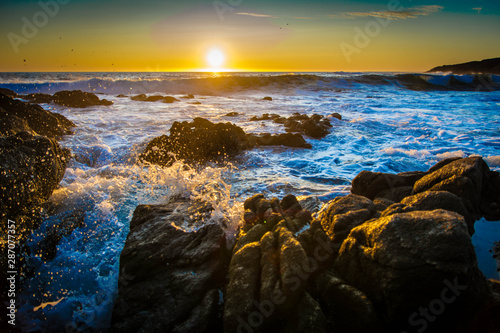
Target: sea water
[{"x": 391, "y": 123}]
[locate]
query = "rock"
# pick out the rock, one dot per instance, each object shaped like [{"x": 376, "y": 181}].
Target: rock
[
  {"x": 315, "y": 126},
  {"x": 122, "y": 96},
  {"x": 31, "y": 168},
  {"x": 190, "y": 96},
  {"x": 195, "y": 103},
  {"x": 342, "y": 214},
  {"x": 269, "y": 270},
  {"x": 155, "y": 98},
  {"x": 265, "y": 116},
  {"x": 39, "y": 120},
  {"x": 78, "y": 99},
  {"x": 487, "y": 66},
  {"x": 348, "y": 309},
  {"x": 336, "y": 116},
  {"x": 202, "y": 141},
  {"x": 171, "y": 275},
  {"x": 408, "y": 261},
  {"x": 395, "y": 194},
  {"x": 232, "y": 114},
  {"x": 470, "y": 179},
  {"x": 72, "y": 99},
  {"x": 198, "y": 142},
  {"x": 285, "y": 139},
  {"x": 432, "y": 200},
  {"x": 370, "y": 184},
  {"x": 267, "y": 98},
  {"x": 8, "y": 92},
  {"x": 11, "y": 125}
]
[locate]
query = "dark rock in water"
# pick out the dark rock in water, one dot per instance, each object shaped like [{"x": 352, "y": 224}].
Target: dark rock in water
[
  {"x": 171, "y": 278},
  {"x": 31, "y": 168},
  {"x": 265, "y": 116},
  {"x": 121, "y": 96},
  {"x": 202, "y": 141},
  {"x": 336, "y": 116},
  {"x": 190, "y": 96},
  {"x": 199, "y": 141},
  {"x": 285, "y": 139},
  {"x": 470, "y": 179},
  {"x": 315, "y": 126},
  {"x": 155, "y": 98},
  {"x": 8, "y": 92},
  {"x": 371, "y": 184},
  {"x": 232, "y": 114},
  {"x": 195, "y": 103},
  {"x": 406, "y": 261},
  {"x": 39, "y": 120},
  {"x": 38, "y": 98},
  {"x": 267, "y": 98},
  {"x": 73, "y": 99}
]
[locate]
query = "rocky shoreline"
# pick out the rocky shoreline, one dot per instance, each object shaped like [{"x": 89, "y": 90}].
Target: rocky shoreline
[{"x": 395, "y": 255}]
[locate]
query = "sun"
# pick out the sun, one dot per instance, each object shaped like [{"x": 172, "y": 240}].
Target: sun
[{"x": 215, "y": 58}]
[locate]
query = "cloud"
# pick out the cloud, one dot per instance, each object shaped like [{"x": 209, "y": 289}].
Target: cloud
[
  {"x": 478, "y": 9},
  {"x": 257, "y": 15},
  {"x": 412, "y": 12}
]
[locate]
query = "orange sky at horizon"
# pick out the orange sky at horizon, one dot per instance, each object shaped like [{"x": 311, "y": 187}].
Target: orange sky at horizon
[{"x": 261, "y": 39}]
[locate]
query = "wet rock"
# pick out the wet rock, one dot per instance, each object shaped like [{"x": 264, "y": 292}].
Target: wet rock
[
  {"x": 315, "y": 126},
  {"x": 11, "y": 125},
  {"x": 190, "y": 96},
  {"x": 370, "y": 184},
  {"x": 8, "y": 92},
  {"x": 155, "y": 98},
  {"x": 31, "y": 168},
  {"x": 285, "y": 139},
  {"x": 336, "y": 116},
  {"x": 39, "y": 120},
  {"x": 406, "y": 261},
  {"x": 265, "y": 116},
  {"x": 342, "y": 214},
  {"x": 198, "y": 142},
  {"x": 470, "y": 179},
  {"x": 72, "y": 99},
  {"x": 348, "y": 309},
  {"x": 171, "y": 277},
  {"x": 201, "y": 141},
  {"x": 267, "y": 98},
  {"x": 232, "y": 114},
  {"x": 269, "y": 271},
  {"x": 432, "y": 200}
]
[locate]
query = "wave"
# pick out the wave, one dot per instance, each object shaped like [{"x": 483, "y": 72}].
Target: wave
[{"x": 208, "y": 84}]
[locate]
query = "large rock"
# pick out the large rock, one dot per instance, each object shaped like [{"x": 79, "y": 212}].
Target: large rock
[
  {"x": 371, "y": 184},
  {"x": 470, "y": 179},
  {"x": 406, "y": 263},
  {"x": 72, "y": 99},
  {"x": 175, "y": 268},
  {"x": 155, "y": 98},
  {"x": 17, "y": 114},
  {"x": 269, "y": 272},
  {"x": 31, "y": 168},
  {"x": 202, "y": 141}
]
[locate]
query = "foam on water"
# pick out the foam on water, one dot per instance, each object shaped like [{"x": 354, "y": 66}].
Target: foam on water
[{"x": 386, "y": 127}]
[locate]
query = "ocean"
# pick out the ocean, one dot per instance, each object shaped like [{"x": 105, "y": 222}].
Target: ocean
[{"x": 391, "y": 123}]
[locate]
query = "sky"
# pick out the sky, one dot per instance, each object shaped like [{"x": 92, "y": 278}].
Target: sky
[{"x": 281, "y": 36}]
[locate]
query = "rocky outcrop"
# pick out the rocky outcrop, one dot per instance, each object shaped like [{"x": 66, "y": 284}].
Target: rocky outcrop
[
  {"x": 73, "y": 99},
  {"x": 201, "y": 141},
  {"x": 358, "y": 265},
  {"x": 487, "y": 66},
  {"x": 155, "y": 98},
  {"x": 469, "y": 179},
  {"x": 315, "y": 126},
  {"x": 175, "y": 268},
  {"x": 16, "y": 116}
]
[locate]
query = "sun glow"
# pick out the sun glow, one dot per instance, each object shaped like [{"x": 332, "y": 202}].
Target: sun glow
[{"x": 215, "y": 59}]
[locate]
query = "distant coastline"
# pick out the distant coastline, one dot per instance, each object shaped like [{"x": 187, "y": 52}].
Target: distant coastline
[{"x": 487, "y": 66}]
